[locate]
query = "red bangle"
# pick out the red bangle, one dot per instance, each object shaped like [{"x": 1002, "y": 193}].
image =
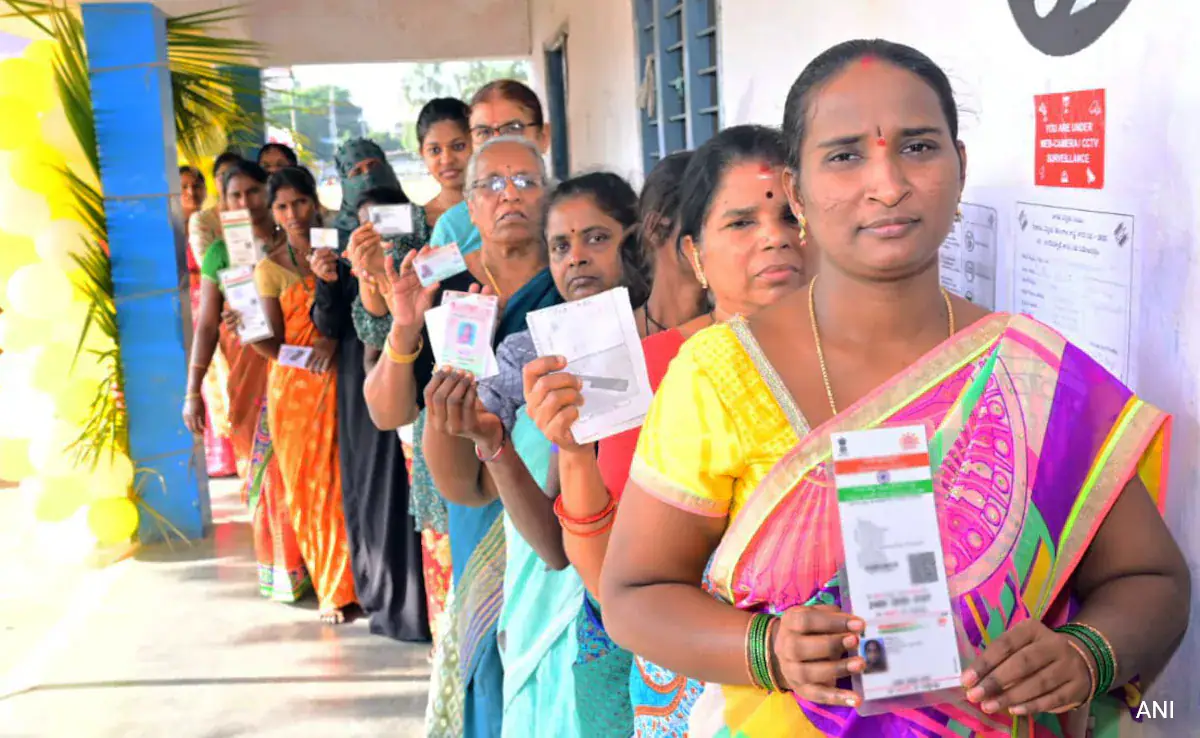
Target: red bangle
[
  {"x": 566, "y": 520},
  {"x": 593, "y": 533}
]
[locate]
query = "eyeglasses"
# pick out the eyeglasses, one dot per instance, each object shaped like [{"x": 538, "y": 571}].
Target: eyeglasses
[
  {"x": 512, "y": 128},
  {"x": 496, "y": 183}
]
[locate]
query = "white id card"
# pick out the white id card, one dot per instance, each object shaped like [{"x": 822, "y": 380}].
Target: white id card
[
  {"x": 238, "y": 233},
  {"x": 391, "y": 220},
  {"x": 295, "y": 356},
  {"x": 470, "y": 323},
  {"x": 242, "y": 295},
  {"x": 439, "y": 263},
  {"x": 324, "y": 238},
  {"x": 437, "y": 326},
  {"x": 895, "y": 573}
]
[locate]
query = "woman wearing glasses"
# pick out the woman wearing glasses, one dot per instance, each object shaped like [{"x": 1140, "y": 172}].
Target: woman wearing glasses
[{"x": 504, "y": 107}]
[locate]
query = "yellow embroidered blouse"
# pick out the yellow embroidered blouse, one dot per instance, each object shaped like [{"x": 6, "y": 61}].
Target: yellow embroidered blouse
[
  {"x": 719, "y": 422},
  {"x": 272, "y": 280}
]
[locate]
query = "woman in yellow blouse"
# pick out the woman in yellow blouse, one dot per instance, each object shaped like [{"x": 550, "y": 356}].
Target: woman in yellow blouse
[
  {"x": 1064, "y": 581},
  {"x": 302, "y": 401}
]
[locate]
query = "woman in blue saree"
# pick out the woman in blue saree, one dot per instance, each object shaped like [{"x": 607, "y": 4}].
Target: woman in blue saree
[{"x": 506, "y": 179}]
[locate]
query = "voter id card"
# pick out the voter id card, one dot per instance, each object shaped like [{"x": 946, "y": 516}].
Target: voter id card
[
  {"x": 467, "y": 343},
  {"x": 296, "y": 357},
  {"x": 391, "y": 220},
  {"x": 237, "y": 229},
  {"x": 439, "y": 263},
  {"x": 323, "y": 238},
  {"x": 895, "y": 572}
]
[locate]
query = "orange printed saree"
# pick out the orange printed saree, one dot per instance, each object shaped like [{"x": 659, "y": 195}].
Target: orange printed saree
[
  {"x": 1034, "y": 442},
  {"x": 302, "y": 412}
]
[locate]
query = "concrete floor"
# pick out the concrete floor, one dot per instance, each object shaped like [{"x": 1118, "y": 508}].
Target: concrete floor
[{"x": 179, "y": 644}]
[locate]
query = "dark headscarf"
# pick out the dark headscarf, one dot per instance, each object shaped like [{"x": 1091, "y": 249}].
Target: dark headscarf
[{"x": 348, "y": 156}]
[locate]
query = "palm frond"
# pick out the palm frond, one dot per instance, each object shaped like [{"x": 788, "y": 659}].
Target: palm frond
[{"x": 204, "y": 96}]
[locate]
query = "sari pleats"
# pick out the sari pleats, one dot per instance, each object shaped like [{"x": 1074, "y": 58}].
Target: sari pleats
[{"x": 302, "y": 411}]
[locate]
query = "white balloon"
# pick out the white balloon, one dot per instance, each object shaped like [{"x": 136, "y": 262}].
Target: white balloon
[
  {"x": 22, "y": 212},
  {"x": 58, "y": 241}
]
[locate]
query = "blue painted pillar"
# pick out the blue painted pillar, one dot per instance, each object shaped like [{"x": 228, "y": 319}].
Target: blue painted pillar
[
  {"x": 135, "y": 133},
  {"x": 247, "y": 93}
]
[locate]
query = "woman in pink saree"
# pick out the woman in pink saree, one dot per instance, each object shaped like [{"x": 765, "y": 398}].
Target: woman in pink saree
[{"x": 1048, "y": 473}]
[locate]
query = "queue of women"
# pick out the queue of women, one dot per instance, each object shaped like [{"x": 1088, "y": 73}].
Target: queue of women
[{"x": 683, "y": 578}]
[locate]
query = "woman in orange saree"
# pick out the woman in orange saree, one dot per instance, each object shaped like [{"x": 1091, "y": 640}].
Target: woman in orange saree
[
  {"x": 302, "y": 398},
  {"x": 1047, "y": 473},
  {"x": 281, "y": 573}
]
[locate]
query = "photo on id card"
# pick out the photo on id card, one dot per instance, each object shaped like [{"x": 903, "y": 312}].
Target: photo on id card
[
  {"x": 894, "y": 571},
  {"x": 467, "y": 343}
]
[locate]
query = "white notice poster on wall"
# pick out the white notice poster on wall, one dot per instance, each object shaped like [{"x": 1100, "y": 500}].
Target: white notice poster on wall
[
  {"x": 1073, "y": 270},
  {"x": 968, "y": 257}
]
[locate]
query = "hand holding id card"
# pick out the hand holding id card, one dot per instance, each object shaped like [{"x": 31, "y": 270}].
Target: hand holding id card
[
  {"x": 895, "y": 573},
  {"x": 467, "y": 343},
  {"x": 242, "y": 295},
  {"x": 438, "y": 263},
  {"x": 323, "y": 238},
  {"x": 391, "y": 220}
]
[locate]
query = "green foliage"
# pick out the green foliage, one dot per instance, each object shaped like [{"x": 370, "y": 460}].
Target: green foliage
[{"x": 309, "y": 108}]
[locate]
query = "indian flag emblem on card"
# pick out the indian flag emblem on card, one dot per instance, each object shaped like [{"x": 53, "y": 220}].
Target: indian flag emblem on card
[
  {"x": 909, "y": 442},
  {"x": 884, "y": 477}
]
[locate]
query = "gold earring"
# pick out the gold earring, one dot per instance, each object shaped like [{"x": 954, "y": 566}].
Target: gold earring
[
  {"x": 699, "y": 270},
  {"x": 958, "y": 215},
  {"x": 803, "y": 226}
]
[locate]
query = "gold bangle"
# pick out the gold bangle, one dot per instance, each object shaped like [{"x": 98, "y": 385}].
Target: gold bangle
[
  {"x": 399, "y": 358},
  {"x": 192, "y": 396},
  {"x": 1086, "y": 662}
]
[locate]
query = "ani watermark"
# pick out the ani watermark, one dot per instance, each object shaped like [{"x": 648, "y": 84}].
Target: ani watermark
[{"x": 1155, "y": 710}]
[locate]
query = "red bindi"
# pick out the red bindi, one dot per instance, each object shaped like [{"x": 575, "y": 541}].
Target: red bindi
[
  {"x": 881, "y": 141},
  {"x": 868, "y": 61},
  {"x": 764, "y": 169}
]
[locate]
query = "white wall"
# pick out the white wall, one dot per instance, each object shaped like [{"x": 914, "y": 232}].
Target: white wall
[
  {"x": 1153, "y": 146},
  {"x": 601, "y": 84},
  {"x": 349, "y": 31}
]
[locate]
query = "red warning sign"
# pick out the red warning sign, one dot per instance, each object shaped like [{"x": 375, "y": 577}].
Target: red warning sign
[{"x": 1069, "y": 146}]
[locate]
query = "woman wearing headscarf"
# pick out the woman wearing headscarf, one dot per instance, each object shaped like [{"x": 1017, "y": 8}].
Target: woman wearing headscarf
[
  {"x": 363, "y": 166},
  {"x": 385, "y": 548}
]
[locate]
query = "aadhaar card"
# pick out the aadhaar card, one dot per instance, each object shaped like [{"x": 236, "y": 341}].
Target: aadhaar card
[
  {"x": 238, "y": 233},
  {"x": 895, "y": 573},
  {"x": 439, "y": 263},
  {"x": 391, "y": 220}
]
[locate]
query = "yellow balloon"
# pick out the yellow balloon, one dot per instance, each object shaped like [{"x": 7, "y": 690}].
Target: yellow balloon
[
  {"x": 112, "y": 477},
  {"x": 22, "y": 212},
  {"x": 14, "y": 459},
  {"x": 74, "y": 402},
  {"x": 40, "y": 291},
  {"x": 19, "y": 126},
  {"x": 113, "y": 519},
  {"x": 19, "y": 333},
  {"x": 38, "y": 168},
  {"x": 30, "y": 81},
  {"x": 44, "y": 52},
  {"x": 58, "y": 498},
  {"x": 15, "y": 252}
]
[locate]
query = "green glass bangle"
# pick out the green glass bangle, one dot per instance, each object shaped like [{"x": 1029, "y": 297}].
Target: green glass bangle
[
  {"x": 760, "y": 669},
  {"x": 1101, "y": 653}
]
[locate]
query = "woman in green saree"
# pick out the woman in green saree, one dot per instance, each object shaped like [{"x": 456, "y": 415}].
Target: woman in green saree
[{"x": 1049, "y": 474}]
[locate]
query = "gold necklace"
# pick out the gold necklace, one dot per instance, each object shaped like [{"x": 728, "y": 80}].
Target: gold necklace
[
  {"x": 812, "y": 314},
  {"x": 488, "y": 272}
]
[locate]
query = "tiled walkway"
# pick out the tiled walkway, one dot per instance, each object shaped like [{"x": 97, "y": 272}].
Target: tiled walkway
[{"x": 178, "y": 644}]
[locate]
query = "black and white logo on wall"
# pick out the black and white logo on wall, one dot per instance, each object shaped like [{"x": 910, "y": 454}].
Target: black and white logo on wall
[{"x": 1065, "y": 27}]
